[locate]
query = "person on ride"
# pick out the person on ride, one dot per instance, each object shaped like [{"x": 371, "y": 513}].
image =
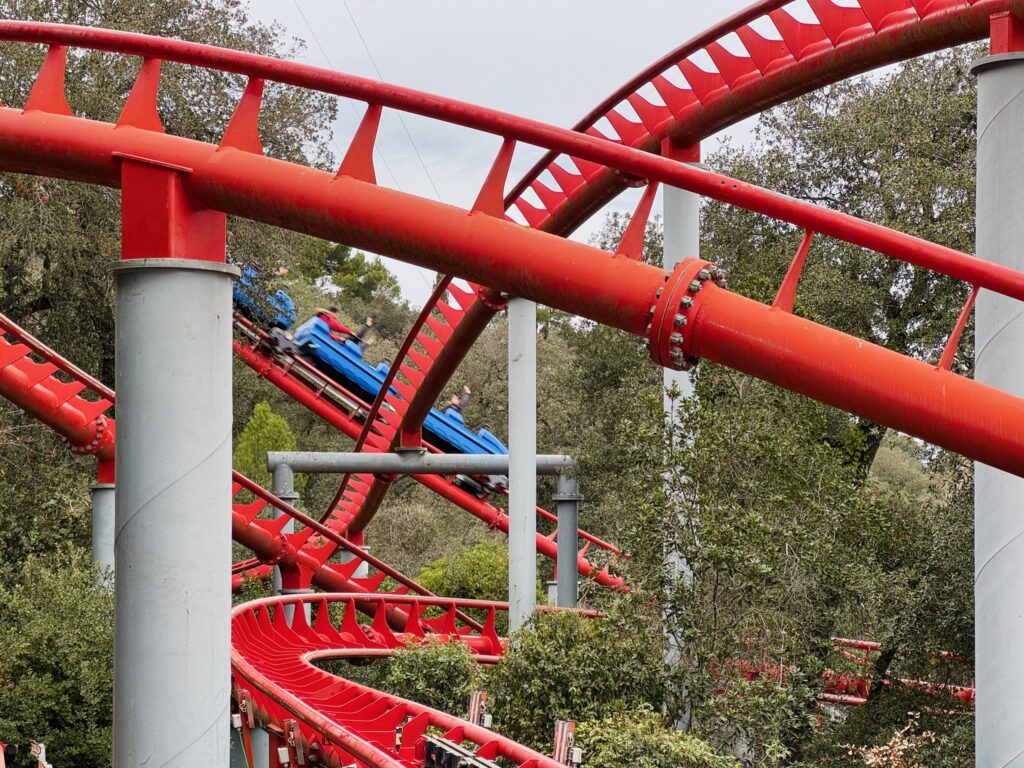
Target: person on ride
[
  {"x": 458, "y": 402},
  {"x": 342, "y": 332}
]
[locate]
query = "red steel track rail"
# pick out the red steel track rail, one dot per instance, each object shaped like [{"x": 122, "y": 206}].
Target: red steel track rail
[
  {"x": 481, "y": 245},
  {"x": 275, "y": 676},
  {"x": 905, "y": 394}
]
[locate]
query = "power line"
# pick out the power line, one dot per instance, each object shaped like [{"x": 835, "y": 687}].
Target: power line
[
  {"x": 327, "y": 60},
  {"x": 380, "y": 77}
]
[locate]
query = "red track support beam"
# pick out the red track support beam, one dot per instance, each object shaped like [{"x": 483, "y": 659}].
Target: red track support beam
[{"x": 981, "y": 423}]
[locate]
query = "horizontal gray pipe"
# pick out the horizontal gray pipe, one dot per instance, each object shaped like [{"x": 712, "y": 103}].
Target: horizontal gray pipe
[{"x": 409, "y": 463}]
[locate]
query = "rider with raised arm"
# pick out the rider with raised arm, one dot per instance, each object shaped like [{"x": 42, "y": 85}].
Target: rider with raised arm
[
  {"x": 342, "y": 332},
  {"x": 458, "y": 402}
]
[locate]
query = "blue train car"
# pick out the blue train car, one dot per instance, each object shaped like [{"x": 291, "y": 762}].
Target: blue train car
[
  {"x": 447, "y": 430},
  {"x": 343, "y": 360},
  {"x": 275, "y": 311}
]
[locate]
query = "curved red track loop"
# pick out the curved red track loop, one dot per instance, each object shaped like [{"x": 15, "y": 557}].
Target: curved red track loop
[
  {"x": 273, "y": 668},
  {"x": 750, "y": 62},
  {"x": 352, "y": 507}
]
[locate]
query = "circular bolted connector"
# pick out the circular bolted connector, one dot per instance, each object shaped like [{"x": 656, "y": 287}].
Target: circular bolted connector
[
  {"x": 676, "y": 355},
  {"x": 695, "y": 286},
  {"x": 676, "y": 339},
  {"x": 653, "y": 309},
  {"x": 704, "y": 274},
  {"x": 679, "y": 321},
  {"x": 686, "y": 302},
  {"x": 648, "y": 329}
]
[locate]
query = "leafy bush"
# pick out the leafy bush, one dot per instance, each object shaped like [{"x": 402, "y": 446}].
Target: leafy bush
[
  {"x": 438, "y": 674},
  {"x": 643, "y": 739},
  {"x": 265, "y": 431},
  {"x": 562, "y": 666},
  {"x": 478, "y": 573},
  {"x": 56, "y": 681}
]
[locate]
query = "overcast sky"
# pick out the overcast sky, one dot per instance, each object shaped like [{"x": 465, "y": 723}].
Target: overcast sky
[{"x": 551, "y": 60}]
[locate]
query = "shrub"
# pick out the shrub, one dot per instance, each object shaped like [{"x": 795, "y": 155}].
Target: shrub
[
  {"x": 435, "y": 673},
  {"x": 56, "y": 668},
  {"x": 643, "y": 739},
  {"x": 562, "y": 666}
]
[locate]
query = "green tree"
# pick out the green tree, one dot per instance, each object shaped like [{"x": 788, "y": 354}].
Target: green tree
[
  {"x": 265, "y": 431},
  {"x": 437, "y": 674},
  {"x": 643, "y": 739},
  {"x": 562, "y": 666},
  {"x": 56, "y": 632},
  {"x": 355, "y": 275},
  {"x": 479, "y": 573},
  {"x": 897, "y": 150}
]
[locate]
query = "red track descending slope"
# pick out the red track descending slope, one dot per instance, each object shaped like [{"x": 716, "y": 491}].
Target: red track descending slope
[
  {"x": 683, "y": 316},
  {"x": 33, "y": 386},
  {"x": 373, "y": 428}
]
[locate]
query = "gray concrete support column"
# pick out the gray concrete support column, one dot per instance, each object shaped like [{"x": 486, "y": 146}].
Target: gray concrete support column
[
  {"x": 522, "y": 448},
  {"x": 999, "y": 337},
  {"x": 681, "y": 217},
  {"x": 283, "y": 486},
  {"x": 173, "y": 522},
  {"x": 103, "y": 526},
  {"x": 567, "y": 504}
]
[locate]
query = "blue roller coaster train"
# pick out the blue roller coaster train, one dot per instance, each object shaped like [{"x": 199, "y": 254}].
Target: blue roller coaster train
[{"x": 342, "y": 360}]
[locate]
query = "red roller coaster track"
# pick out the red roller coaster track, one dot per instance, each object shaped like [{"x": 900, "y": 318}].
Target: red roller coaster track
[{"x": 684, "y": 316}]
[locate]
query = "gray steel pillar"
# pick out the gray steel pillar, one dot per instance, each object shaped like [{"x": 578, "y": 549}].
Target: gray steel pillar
[
  {"x": 260, "y": 748},
  {"x": 173, "y": 523},
  {"x": 681, "y": 221},
  {"x": 363, "y": 570},
  {"x": 522, "y": 448},
  {"x": 999, "y": 337},
  {"x": 283, "y": 486},
  {"x": 103, "y": 526},
  {"x": 567, "y": 504}
]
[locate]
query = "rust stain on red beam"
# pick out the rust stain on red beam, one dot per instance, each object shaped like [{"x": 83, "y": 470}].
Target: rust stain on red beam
[
  {"x": 849, "y": 58},
  {"x": 968, "y": 417}
]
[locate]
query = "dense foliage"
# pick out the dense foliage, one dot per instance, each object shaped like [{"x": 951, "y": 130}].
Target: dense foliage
[
  {"x": 643, "y": 739},
  {"x": 57, "y": 636},
  {"x": 564, "y": 667},
  {"x": 264, "y": 431},
  {"x": 440, "y": 675}
]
